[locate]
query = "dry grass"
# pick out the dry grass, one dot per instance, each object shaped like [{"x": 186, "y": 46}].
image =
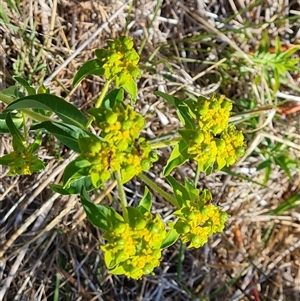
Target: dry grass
[{"x": 47, "y": 246}]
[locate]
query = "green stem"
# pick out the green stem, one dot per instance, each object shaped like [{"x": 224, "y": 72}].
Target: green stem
[
  {"x": 156, "y": 9},
  {"x": 122, "y": 195},
  {"x": 162, "y": 144},
  {"x": 197, "y": 176},
  {"x": 34, "y": 115},
  {"x": 99, "y": 101},
  {"x": 159, "y": 190},
  {"x": 24, "y": 126}
]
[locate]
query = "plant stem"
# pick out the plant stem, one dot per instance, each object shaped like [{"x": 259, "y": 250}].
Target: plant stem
[
  {"x": 163, "y": 144},
  {"x": 24, "y": 126},
  {"x": 122, "y": 195},
  {"x": 103, "y": 93},
  {"x": 197, "y": 176},
  {"x": 34, "y": 115},
  {"x": 159, "y": 190},
  {"x": 156, "y": 9},
  {"x": 99, "y": 101}
]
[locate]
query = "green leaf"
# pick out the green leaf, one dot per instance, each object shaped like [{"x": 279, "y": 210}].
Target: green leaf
[
  {"x": 287, "y": 205},
  {"x": 75, "y": 187},
  {"x": 21, "y": 81},
  {"x": 189, "y": 135},
  {"x": 182, "y": 109},
  {"x": 111, "y": 98},
  {"x": 285, "y": 163},
  {"x": 16, "y": 118},
  {"x": 180, "y": 192},
  {"x": 135, "y": 217},
  {"x": 97, "y": 214},
  {"x": 6, "y": 160},
  {"x": 191, "y": 189},
  {"x": 4, "y": 15},
  {"x": 67, "y": 112},
  {"x": 36, "y": 143},
  {"x": 13, "y": 130},
  {"x": 30, "y": 90},
  {"x": 118, "y": 270},
  {"x": 127, "y": 175},
  {"x": 146, "y": 202},
  {"x": 178, "y": 157},
  {"x": 131, "y": 88},
  {"x": 267, "y": 164},
  {"x": 276, "y": 83},
  {"x": 10, "y": 91},
  {"x": 75, "y": 170},
  {"x": 68, "y": 134},
  {"x": 171, "y": 238},
  {"x": 92, "y": 67},
  {"x": 277, "y": 45}
]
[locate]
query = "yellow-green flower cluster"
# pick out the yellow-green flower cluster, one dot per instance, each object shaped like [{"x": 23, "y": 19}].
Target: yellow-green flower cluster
[
  {"x": 22, "y": 162},
  {"x": 216, "y": 141},
  {"x": 213, "y": 113},
  {"x": 121, "y": 148},
  {"x": 199, "y": 220},
  {"x": 120, "y": 61},
  {"x": 230, "y": 148},
  {"x": 121, "y": 125},
  {"x": 134, "y": 249}
]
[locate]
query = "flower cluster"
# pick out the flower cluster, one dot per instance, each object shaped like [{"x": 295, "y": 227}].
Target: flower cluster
[
  {"x": 119, "y": 61},
  {"x": 198, "y": 220},
  {"x": 22, "y": 162},
  {"x": 134, "y": 248},
  {"x": 121, "y": 149},
  {"x": 216, "y": 141}
]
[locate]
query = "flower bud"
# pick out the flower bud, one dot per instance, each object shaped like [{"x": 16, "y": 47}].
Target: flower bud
[{"x": 111, "y": 117}]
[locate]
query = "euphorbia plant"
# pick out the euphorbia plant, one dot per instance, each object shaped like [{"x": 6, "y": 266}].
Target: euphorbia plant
[{"x": 135, "y": 237}]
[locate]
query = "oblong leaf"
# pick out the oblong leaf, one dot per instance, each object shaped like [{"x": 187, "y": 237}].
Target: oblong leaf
[
  {"x": 64, "y": 110},
  {"x": 68, "y": 134},
  {"x": 13, "y": 130},
  {"x": 92, "y": 67},
  {"x": 131, "y": 88},
  {"x": 74, "y": 171},
  {"x": 75, "y": 187},
  {"x": 97, "y": 214},
  {"x": 178, "y": 157},
  {"x": 180, "y": 192},
  {"x": 16, "y": 118},
  {"x": 146, "y": 202},
  {"x": 171, "y": 238},
  {"x": 182, "y": 109}
]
